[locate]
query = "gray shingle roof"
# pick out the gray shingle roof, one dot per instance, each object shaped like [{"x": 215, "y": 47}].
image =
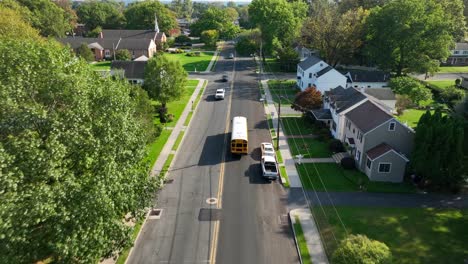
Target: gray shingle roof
[
  {"x": 134, "y": 44},
  {"x": 309, "y": 62},
  {"x": 109, "y": 43},
  {"x": 322, "y": 114},
  {"x": 378, "y": 150},
  {"x": 132, "y": 69},
  {"x": 324, "y": 70},
  {"x": 128, "y": 33},
  {"x": 368, "y": 76},
  {"x": 342, "y": 99},
  {"x": 367, "y": 116},
  {"x": 381, "y": 93},
  {"x": 461, "y": 46}
]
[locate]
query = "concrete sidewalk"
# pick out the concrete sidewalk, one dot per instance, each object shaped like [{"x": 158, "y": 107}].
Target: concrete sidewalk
[
  {"x": 212, "y": 61},
  {"x": 166, "y": 151},
  {"x": 311, "y": 234}
]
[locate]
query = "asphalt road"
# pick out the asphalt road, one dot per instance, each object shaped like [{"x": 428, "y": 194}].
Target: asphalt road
[{"x": 251, "y": 225}]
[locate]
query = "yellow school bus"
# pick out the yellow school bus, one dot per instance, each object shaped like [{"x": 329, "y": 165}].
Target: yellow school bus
[{"x": 239, "y": 138}]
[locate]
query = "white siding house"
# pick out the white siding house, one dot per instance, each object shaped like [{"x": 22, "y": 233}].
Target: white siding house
[{"x": 315, "y": 72}]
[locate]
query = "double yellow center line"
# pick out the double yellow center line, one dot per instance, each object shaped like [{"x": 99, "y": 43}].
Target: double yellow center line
[{"x": 214, "y": 240}]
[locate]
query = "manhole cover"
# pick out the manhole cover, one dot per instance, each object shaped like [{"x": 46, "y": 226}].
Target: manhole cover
[
  {"x": 155, "y": 214},
  {"x": 209, "y": 214},
  {"x": 211, "y": 201}
]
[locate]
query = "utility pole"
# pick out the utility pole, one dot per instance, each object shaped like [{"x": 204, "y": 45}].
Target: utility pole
[{"x": 278, "y": 127}]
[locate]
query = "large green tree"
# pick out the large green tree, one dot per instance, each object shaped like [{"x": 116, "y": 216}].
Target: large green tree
[
  {"x": 215, "y": 18},
  {"x": 13, "y": 25},
  {"x": 438, "y": 150},
  {"x": 346, "y": 5},
  {"x": 105, "y": 14},
  {"x": 47, "y": 17},
  {"x": 209, "y": 37},
  {"x": 140, "y": 15},
  {"x": 409, "y": 35},
  {"x": 338, "y": 37},
  {"x": 278, "y": 20},
  {"x": 164, "y": 81},
  {"x": 71, "y": 151},
  {"x": 416, "y": 92}
]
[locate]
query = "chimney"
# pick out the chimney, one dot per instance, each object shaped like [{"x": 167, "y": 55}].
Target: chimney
[{"x": 101, "y": 35}]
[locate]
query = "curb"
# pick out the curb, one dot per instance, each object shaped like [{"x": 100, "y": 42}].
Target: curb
[{"x": 293, "y": 221}]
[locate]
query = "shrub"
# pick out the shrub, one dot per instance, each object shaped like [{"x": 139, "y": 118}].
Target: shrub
[
  {"x": 123, "y": 55},
  {"x": 336, "y": 145},
  {"x": 359, "y": 249},
  {"x": 348, "y": 163},
  {"x": 324, "y": 134},
  {"x": 182, "y": 39}
]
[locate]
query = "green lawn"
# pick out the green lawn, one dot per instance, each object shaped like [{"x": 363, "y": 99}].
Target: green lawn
[
  {"x": 456, "y": 69},
  {"x": 332, "y": 177},
  {"x": 155, "y": 148},
  {"x": 309, "y": 147},
  {"x": 199, "y": 63},
  {"x": 284, "y": 88},
  {"x": 412, "y": 116},
  {"x": 272, "y": 65},
  {"x": 294, "y": 125},
  {"x": 442, "y": 84},
  {"x": 303, "y": 250},
  {"x": 176, "y": 108},
  {"x": 414, "y": 235},
  {"x": 101, "y": 66}
]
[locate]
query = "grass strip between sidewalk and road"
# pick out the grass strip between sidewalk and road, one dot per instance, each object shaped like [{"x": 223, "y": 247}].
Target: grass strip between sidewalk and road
[
  {"x": 284, "y": 175},
  {"x": 302, "y": 243},
  {"x": 197, "y": 100},
  {"x": 178, "y": 140},
  {"x": 166, "y": 165}
]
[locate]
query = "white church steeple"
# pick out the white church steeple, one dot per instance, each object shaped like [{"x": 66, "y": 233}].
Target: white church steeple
[{"x": 156, "y": 27}]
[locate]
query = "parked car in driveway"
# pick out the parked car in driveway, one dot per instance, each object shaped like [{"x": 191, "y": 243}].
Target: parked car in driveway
[
  {"x": 219, "y": 95},
  {"x": 224, "y": 78},
  {"x": 231, "y": 56}
]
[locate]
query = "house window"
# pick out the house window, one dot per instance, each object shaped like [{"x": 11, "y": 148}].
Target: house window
[
  {"x": 107, "y": 53},
  {"x": 385, "y": 167},
  {"x": 354, "y": 131},
  {"x": 310, "y": 75},
  {"x": 358, "y": 155},
  {"x": 465, "y": 52},
  {"x": 391, "y": 126},
  {"x": 310, "y": 85},
  {"x": 334, "y": 126},
  {"x": 368, "y": 86},
  {"x": 368, "y": 163},
  {"x": 355, "y": 86},
  {"x": 455, "y": 52},
  {"x": 359, "y": 136}
]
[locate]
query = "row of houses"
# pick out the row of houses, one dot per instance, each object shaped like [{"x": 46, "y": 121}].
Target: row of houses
[
  {"x": 137, "y": 42},
  {"x": 357, "y": 108}
]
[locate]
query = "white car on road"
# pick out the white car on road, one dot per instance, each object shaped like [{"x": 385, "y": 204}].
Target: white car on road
[
  {"x": 219, "y": 94},
  {"x": 267, "y": 149}
]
